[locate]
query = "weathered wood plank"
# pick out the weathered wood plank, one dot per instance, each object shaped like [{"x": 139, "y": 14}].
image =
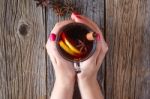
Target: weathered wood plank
[
  {"x": 94, "y": 9},
  {"x": 128, "y": 60},
  {"x": 22, "y": 51}
]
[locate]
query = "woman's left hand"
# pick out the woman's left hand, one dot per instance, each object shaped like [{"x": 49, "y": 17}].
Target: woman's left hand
[{"x": 64, "y": 70}]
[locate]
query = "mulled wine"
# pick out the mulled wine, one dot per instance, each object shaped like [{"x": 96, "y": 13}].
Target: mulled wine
[{"x": 72, "y": 42}]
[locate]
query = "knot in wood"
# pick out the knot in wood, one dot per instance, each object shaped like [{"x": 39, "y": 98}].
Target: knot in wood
[{"x": 23, "y": 29}]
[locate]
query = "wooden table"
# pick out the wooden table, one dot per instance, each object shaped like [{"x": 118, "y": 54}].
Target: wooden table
[{"x": 26, "y": 71}]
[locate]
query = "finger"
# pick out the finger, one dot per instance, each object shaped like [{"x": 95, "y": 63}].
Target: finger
[
  {"x": 52, "y": 49},
  {"x": 79, "y": 19},
  {"x": 98, "y": 47},
  {"x": 88, "y": 22},
  {"x": 94, "y": 56},
  {"x": 54, "y": 55},
  {"x": 85, "y": 20},
  {"x": 51, "y": 45},
  {"x": 102, "y": 53},
  {"x": 53, "y": 60},
  {"x": 61, "y": 24},
  {"x": 56, "y": 58}
]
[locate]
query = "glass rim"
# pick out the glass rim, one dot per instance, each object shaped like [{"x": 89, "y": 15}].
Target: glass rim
[{"x": 75, "y": 60}]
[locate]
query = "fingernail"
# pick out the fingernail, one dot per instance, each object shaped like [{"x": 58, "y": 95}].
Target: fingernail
[
  {"x": 52, "y": 37},
  {"x": 98, "y": 38},
  {"x": 78, "y": 16},
  {"x": 76, "y": 13}
]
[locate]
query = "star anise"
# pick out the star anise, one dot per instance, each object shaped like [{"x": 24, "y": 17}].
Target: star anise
[
  {"x": 58, "y": 9},
  {"x": 82, "y": 47},
  {"x": 59, "y": 12},
  {"x": 69, "y": 7},
  {"x": 43, "y": 3}
]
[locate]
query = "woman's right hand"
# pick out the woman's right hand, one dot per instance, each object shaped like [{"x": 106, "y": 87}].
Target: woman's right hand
[
  {"x": 87, "y": 78},
  {"x": 90, "y": 67}
]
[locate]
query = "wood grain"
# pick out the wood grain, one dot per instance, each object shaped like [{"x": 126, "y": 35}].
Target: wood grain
[
  {"x": 94, "y": 9},
  {"x": 22, "y": 52},
  {"x": 128, "y": 60},
  {"x": 26, "y": 71}
]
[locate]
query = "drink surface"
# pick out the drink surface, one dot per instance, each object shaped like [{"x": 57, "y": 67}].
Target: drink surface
[{"x": 72, "y": 43}]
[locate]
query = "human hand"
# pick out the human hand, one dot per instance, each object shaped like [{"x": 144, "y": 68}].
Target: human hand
[
  {"x": 87, "y": 78},
  {"x": 64, "y": 70},
  {"x": 90, "y": 67}
]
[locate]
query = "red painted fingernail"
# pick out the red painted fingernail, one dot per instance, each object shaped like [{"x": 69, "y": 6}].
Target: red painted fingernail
[
  {"x": 78, "y": 16},
  {"x": 52, "y": 37},
  {"x": 98, "y": 38},
  {"x": 76, "y": 13}
]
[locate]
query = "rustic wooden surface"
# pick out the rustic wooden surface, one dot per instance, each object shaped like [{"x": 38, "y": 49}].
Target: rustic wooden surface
[
  {"x": 128, "y": 59},
  {"x": 26, "y": 71},
  {"x": 22, "y": 50}
]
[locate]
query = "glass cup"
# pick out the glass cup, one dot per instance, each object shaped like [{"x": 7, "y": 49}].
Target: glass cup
[{"x": 73, "y": 44}]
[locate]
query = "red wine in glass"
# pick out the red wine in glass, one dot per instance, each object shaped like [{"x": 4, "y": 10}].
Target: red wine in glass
[{"x": 72, "y": 42}]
